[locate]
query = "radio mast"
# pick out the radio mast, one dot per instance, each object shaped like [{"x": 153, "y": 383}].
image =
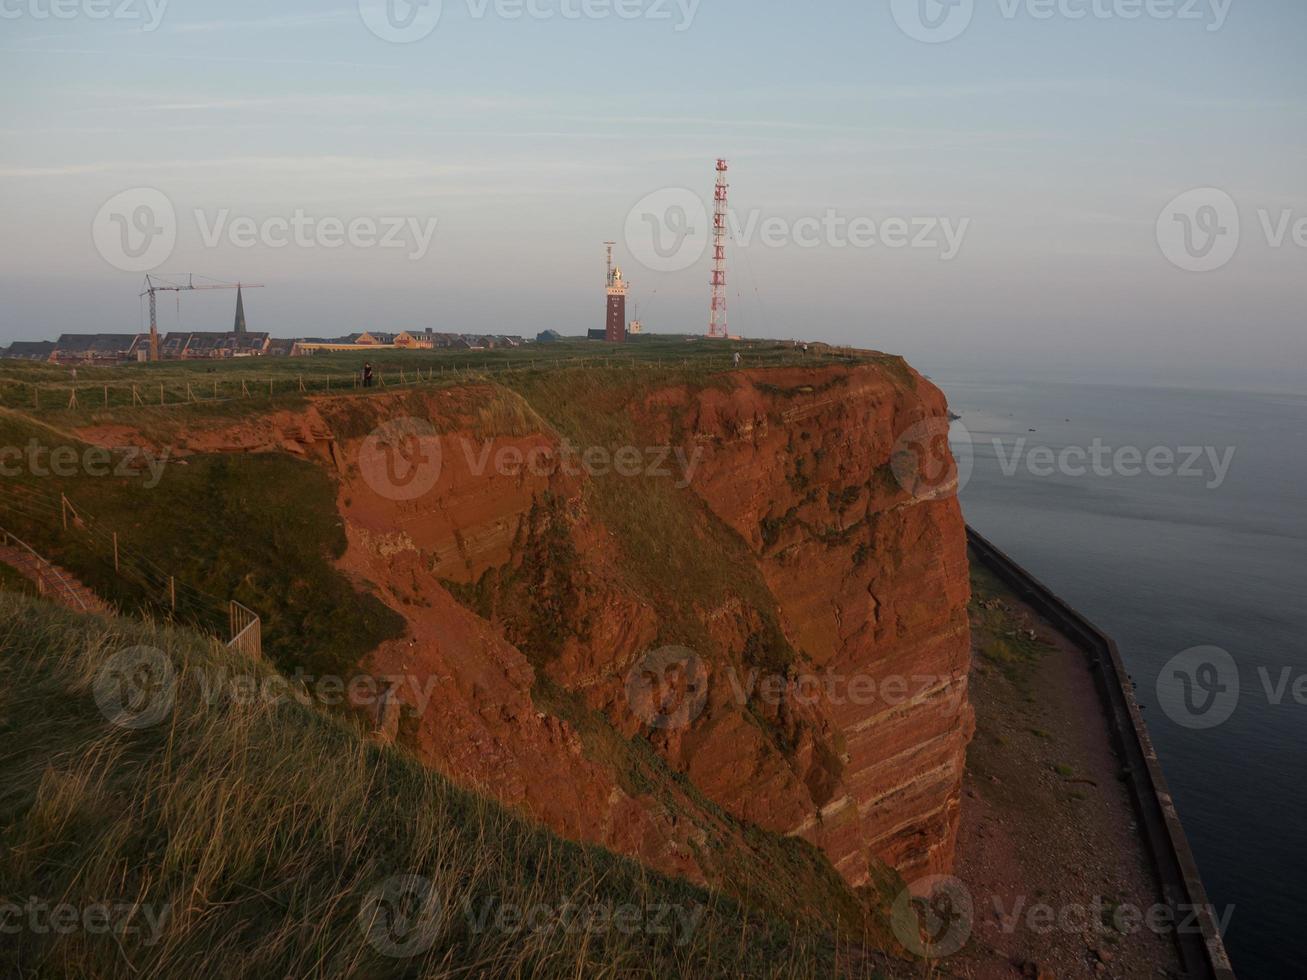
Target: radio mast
[{"x": 717, "y": 316}]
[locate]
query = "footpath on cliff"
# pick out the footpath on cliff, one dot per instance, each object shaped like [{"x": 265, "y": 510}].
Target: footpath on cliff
[{"x": 1048, "y": 852}]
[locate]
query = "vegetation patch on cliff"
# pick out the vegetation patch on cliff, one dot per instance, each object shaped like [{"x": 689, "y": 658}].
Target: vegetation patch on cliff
[{"x": 258, "y": 528}]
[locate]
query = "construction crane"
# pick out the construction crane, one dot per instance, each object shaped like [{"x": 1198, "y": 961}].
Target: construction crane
[{"x": 158, "y": 284}]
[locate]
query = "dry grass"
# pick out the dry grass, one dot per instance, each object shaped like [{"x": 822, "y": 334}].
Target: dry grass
[{"x": 246, "y": 838}]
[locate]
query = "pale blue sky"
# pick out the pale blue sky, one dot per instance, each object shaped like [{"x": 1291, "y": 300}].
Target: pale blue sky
[{"x": 1059, "y": 140}]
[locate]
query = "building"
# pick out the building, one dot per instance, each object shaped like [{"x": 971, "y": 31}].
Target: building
[
  {"x": 367, "y": 340},
  {"x": 548, "y": 336},
  {"x": 212, "y": 345},
  {"x": 31, "y": 350},
  {"x": 97, "y": 348},
  {"x": 442, "y": 341}
]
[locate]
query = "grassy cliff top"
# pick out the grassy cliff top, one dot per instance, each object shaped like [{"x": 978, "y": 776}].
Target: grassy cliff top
[{"x": 238, "y": 386}]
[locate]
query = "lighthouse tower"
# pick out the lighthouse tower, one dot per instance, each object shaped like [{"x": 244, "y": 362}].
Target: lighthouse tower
[{"x": 615, "y": 326}]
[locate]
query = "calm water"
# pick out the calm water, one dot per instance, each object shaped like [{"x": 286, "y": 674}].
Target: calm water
[{"x": 1166, "y": 562}]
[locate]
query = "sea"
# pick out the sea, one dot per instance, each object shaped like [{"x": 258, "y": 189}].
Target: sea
[{"x": 1176, "y": 520}]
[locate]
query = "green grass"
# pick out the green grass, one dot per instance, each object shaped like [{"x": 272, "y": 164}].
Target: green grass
[
  {"x": 216, "y": 386},
  {"x": 12, "y": 581},
  {"x": 261, "y": 529},
  {"x": 256, "y": 836},
  {"x": 1001, "y": 636}
]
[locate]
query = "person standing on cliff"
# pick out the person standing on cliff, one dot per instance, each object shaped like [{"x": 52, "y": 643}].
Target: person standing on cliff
[{"x": 367, "y": 374}]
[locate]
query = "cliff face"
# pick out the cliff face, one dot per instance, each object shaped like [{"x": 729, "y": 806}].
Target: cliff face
[
  {"x": 745, "y": 619},
  {"x": 871, "y": 585}
]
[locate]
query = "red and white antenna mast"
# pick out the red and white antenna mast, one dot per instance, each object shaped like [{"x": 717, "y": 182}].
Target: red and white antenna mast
[{"x": 717, "y": 318}]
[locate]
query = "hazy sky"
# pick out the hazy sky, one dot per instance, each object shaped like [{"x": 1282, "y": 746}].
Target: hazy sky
[{"x": 994, "y": 196}]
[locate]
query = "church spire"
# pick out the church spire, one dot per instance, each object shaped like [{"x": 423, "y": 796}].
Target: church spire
[{"x": 240, "y": 312}]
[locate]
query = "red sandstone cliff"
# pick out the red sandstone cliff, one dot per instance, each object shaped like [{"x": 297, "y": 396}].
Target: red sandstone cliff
[
  {"x": 872, "y": 587},
  {"x": 818, "y": 607}
]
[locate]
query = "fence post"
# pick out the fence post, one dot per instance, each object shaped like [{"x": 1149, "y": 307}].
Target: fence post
[
  {"x": 106, "y": 396},
  {"x": 115, "y": 551},
  {"x": 72, "y": 397},
  {"x": 160, "y": 392},
  {"x": 63, "y": 510},
  {"x": 172, "y": 592}
]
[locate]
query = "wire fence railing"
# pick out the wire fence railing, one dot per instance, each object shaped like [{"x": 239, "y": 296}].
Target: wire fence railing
[{"x": 45, "y": 574}]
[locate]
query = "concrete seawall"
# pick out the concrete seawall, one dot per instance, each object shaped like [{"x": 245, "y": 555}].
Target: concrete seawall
[{"x": 1201, "y": 949}]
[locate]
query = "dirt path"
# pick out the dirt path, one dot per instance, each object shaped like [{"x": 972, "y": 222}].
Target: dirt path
[{"x": 1048, "y": 848}]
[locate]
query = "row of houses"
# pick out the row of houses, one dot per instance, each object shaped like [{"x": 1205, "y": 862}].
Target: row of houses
[
  {"x": 406, "y": 340},
  {"x": 113, "y": 348}
]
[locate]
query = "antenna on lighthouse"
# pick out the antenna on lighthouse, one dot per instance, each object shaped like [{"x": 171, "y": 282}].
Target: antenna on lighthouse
[
  {"x": 717, "y": 316},
  {"x": 609, "y": 280}
]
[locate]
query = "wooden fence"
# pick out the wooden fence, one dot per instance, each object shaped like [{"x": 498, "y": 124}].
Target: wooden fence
[
  {"x": 47, "y": 576},
  {"x": 246, "y": 631}
]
